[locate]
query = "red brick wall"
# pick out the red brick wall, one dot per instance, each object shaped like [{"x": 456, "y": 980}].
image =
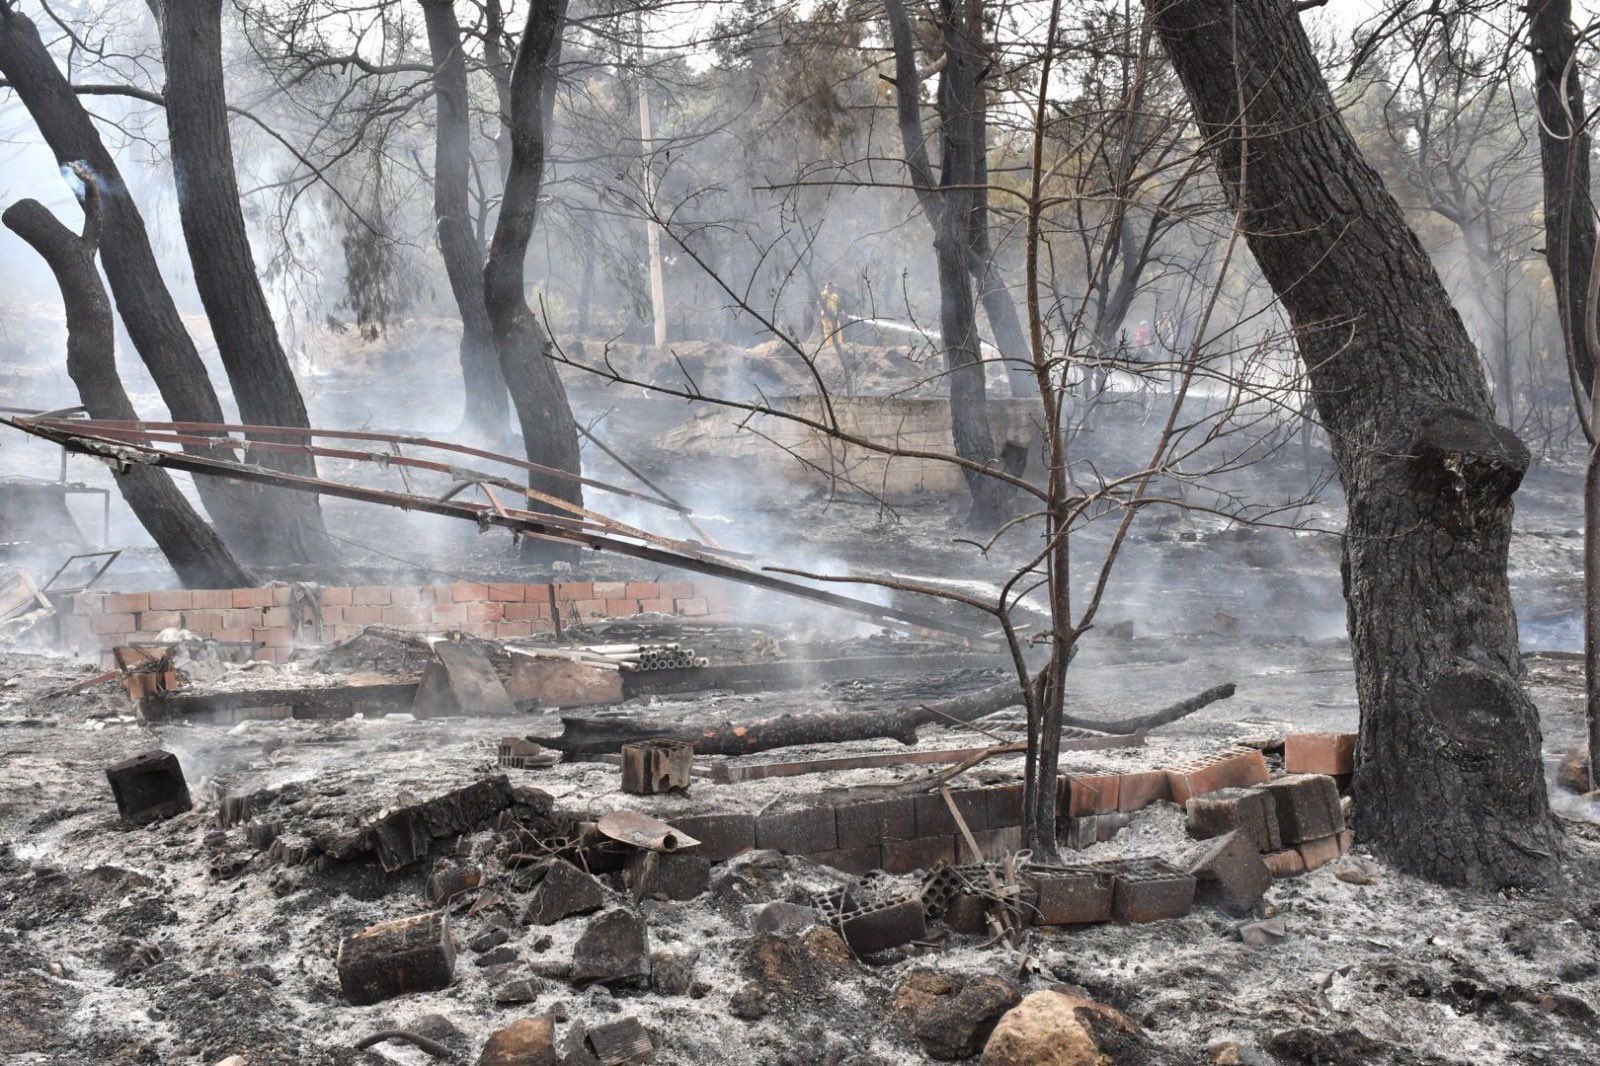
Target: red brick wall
[{"x": 501, "y": 610}]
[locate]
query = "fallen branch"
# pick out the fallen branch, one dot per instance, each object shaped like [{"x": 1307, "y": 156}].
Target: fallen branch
[
  {"x": 602, "y": 734},
  {"x": 432, "y": 1047}
]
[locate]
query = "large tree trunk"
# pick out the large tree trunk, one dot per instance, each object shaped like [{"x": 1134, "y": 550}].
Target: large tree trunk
[
  {"x": 486, "y": 408},
  {"x": 192, "y": 547},
  {"x": 1449, "y": 782},
  {"x": 549, "y": 432},
  {"x": 142, "y": 297},
  {"x": 224, "y": 268}
]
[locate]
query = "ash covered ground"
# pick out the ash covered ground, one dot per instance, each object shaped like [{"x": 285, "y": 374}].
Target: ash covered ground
[
  {"x": 183, "y": 943},
  {"x": 180, "y": 943}
]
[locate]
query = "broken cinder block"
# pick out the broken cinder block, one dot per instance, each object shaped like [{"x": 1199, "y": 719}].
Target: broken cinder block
[
  {"x": 651, "y": 767},
  {"x": 149, "y": 787},
  {"x": 1148, "y": 890},
  {"x": 392, "y": 958},
  {"x": 1070, "y": 895},
  {"x": 1229, "y": 872},
  {"x": 873, "y": 925}
]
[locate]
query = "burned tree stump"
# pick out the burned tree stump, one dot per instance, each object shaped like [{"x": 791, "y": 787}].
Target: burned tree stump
[
  {"x": 149, "y": 787},
  {"x": 655, "y": 766},
  {"x": 392, "y": 958}
]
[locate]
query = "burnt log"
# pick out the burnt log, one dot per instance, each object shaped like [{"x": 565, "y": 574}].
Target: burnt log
[{"x": 603, "y": 734}]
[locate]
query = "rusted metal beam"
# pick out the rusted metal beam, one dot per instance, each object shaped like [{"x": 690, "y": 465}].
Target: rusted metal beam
[{"x": 526, "y": 523}]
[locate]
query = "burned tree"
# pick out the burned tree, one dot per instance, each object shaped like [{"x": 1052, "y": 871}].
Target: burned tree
[
  {"x": 192, "y": 547},
  {"x": 210, "y": 209},
  {"x": 1569, "y": 227},
  {"x": 142, "y": 298},
  {"x": 950, "y": 205},
  {"x": 485, "y": 413},
  {"x": 549, "y": 432},
  {"x": 1449, "y": 778}
]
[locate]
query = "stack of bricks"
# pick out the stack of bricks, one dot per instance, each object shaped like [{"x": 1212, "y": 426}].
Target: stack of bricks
[
  {"x": 897, "y": 835},
  {"x": 1296, "y": 821},
  {"x": 100, "y": 621}
]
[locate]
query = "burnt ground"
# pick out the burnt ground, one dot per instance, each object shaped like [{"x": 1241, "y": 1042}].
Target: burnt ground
[{"x": 124, "y": 945}]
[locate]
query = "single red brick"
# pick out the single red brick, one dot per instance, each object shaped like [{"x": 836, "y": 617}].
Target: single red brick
[
  {"x": 589, "y": 608},
  {"x": 1319, "y": 852},
  {"x": 522, "y": 612},
  {"x": 274, "y": 616},
  {"x": 125, "y": 603},
  {"x": 693, "y": 608},
  {"x": 106, "y": 624},
  {"x": 336, "y": 597},
  {"x": 616, "y": 608},
  {"x": 449, "y": 612},
  {"x": 441, "y": 594},
  {"x": 404, "y": 595},
  {"x": 655, "y": 606},
  {"x": 252, "y": 598},
  {"x": 642, "y": 590},
  {"x": 1285, "y": 863},
  {"x": 212, "y": 599},
  {"x": 542, "y": 625},
  {"x": 280, "y": 595},
  {"x": 156, "y": 621},
  {"x": 233, "y": 636},
  {"x": 405, "y": 616},
  {"x": 1092, "y": 794},
  {"x": 273, "y": 636},
  {"x": 468, "y": 592},
  {"x": 923, "y": 853},
  {"x": 1333, "y": 754},
  {"x": 171, "y": 600},
  {"x": 370, "y": 595},
  {"x": 569, "y": 591},
  {"x": 506, "y": 593},
  {"x": 508, "y": 630},
  {"x": 484, "y": 611},
  {"x": 610, "y": 590},
  {"x": 363, "y": 614}
]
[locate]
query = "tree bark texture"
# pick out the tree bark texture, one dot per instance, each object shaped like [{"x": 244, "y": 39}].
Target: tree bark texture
[
  {"x": 224, "y": 268},
  {"x": 549, "y": 432},
  {"x": 948, "y": 204},
  {"x": 1564, "y": 143},
  {"x": 142, "y": 297},
  {"x": 192, "y": 547},
  {"x": 486, "y": 408},
  {"x": 1569, "y": 238},
  {"x": 1449, "y": 782}
]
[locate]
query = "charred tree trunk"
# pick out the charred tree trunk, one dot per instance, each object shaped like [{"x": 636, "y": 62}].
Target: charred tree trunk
[
  {"x": 486, "y": 409},
  {"x": 142, "y": 297},
  {"x": 1564, "y": 144},
  {"x": 948, "y": 203},
  {"x": 1569, "y": 240},
  {"x": 549, "y": 432},
  {"x": 1449, "y": 782},
  {"x": 994, "y": 295},
  {"x": 224, "y": 268},
  {"x": 192, "y": 547}
]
